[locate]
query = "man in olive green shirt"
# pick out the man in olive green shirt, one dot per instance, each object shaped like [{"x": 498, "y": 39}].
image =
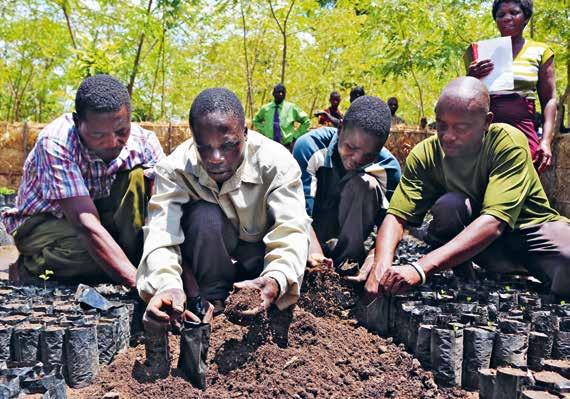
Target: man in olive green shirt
[
  {"x": 485, "y": 196},
  {"x": 277, "y": 119}
]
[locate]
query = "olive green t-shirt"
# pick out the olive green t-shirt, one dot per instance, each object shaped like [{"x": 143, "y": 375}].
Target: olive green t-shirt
[{"x": 500, "y": 180}]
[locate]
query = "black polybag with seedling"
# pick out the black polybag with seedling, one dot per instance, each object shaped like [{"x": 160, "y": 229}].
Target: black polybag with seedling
[{"x": 195, "y": 341}]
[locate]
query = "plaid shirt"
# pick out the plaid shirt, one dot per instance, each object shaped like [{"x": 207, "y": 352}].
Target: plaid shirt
[{"x": 60, "y": 166}]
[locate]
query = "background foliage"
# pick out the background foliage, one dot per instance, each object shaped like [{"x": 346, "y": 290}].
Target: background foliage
[{"x": 169, "y": 50}]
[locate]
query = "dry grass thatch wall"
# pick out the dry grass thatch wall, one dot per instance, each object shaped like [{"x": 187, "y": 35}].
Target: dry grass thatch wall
[{"x": 17, "y": 139}]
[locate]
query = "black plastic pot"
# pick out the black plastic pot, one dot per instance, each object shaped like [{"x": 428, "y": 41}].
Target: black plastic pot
[
  {"x": 41, "y": 379},
  {"x": 447, "y": 355},
  {"x": 402, "y": 324},
  {"x": 423, "y": 345},
  {"x": 5, "y": 339},
  {"x": 561, "y": 367},
  {"x": 81, "y": 355},
  {"x": 25, "y": 342},
  {"x": 552, "y": 381},
  {"x": 487, "y": 380},
  {"x": 121, "y": 313},
  {"x": 477, "y": 349},
  {"x": 107, "y": 332},
  {"x": 51, "y": 345},
  {"x": 509, "y": 326},
  {"x": 546, "y": 322},
  {"x": 539, "y": 349},
  {"x": 194, "y": 345},
  {"x": 510, "y": 350},
  {"x": 419, "y": 315},
  {"x": 376, "y": 315},
  {"x": 561, "y": 348},
  {"x": 511, "y": 382},
  {"x": 157, "y": 351}
]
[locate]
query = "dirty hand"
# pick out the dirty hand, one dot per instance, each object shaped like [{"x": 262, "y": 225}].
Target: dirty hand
[
  {"x": 365, "y": 270},
  {"x": 543, "y": 157},
  {"x": 317, "y": 259},
  {"x": 269, "y": 291},
  {"x": 398, "y": 280},
  {"x": 163, "y": 308},
  {"x": 480, "y": 69}
]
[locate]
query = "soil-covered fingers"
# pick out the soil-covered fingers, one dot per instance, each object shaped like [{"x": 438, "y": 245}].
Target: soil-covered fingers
[
  {"x": 364, "y": 272},
  {"x": 164, "y": 307},
  {"x": 319, "y": 260},
  {"x": 207, "y": 319},
  {"x": 269, "y": 292}
]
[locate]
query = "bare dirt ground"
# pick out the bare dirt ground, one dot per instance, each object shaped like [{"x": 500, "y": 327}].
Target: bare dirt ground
[{"x": 327, "y": 356}]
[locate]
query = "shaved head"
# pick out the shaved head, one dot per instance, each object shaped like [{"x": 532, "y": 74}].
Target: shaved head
[
  {"x": 462, "y": 117},
  {"x": 465, "y": 94}
]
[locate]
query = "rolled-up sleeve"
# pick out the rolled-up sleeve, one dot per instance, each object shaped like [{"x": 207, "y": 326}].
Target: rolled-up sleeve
[
  {"x": 287, "y": 241},
  {"x": 160, "y": 268}
]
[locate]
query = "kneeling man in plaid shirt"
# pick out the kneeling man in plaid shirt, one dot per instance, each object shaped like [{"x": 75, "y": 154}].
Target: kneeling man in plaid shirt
[{"x": 82, "y": 200}]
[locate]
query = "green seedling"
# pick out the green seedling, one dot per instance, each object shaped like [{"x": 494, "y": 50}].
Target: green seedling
[
  {"x": 6, "y": 191},
  {"x": 469, "y": 299},
  {"x": 455, "y": 328},
  {"x": 45, "y": 276},
  {"x": 563, "y": 302},
  {"x": 490, "y": 324},
  {"x": 507, "y": 288}
]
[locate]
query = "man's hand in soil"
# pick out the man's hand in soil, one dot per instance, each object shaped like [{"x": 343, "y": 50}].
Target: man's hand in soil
[
  {"x": 269, "y": 291},
  {"x": 365, "y": 270},
  {"x": 317, "y": 260},
  {"x": 398, "y": 280},
  {"x": 165, "y": 307}
]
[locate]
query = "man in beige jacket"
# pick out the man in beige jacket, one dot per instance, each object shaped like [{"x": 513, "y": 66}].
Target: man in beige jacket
[{"x": 228, "y": 208}]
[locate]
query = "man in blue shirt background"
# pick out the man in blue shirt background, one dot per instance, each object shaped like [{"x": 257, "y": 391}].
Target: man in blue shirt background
[{"x": 348, "y": 179}]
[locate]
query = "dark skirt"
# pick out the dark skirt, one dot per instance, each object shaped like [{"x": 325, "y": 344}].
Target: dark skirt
[{"x": 519, "y": 112}]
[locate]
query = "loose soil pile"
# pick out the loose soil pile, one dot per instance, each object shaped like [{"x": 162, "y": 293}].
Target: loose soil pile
[{"x": 323, "y": 355}]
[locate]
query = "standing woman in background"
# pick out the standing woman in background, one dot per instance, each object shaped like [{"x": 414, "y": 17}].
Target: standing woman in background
[{"x": 533, "y": 68}]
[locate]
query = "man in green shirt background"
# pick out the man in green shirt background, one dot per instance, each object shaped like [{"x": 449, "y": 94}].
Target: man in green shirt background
[
  {"x": 486, "y": 200},
  {"x": 276, "y": 119}
]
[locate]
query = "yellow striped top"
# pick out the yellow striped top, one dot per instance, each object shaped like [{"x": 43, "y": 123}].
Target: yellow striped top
[{"x": 526, "y": 66}]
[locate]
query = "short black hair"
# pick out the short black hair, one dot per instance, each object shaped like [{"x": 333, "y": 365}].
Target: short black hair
[
  {"x": 334, "y": 94},
  {"x": 356, "y": 92},
  {"x": 370, "y": 114},
  {"x": 525, "y": 5},
  {"x": 101, "y": 93},
  {"x": 392, "y": 99},
  {"x": 280, "y": 87},
  {"x": 216, "y": 100}
]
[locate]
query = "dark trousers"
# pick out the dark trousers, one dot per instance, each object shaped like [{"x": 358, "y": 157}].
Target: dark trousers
[
  {"x": 542, "y": 250},
  {"x": 46, "y": 242},
  {"x": 350, "y": 217},
  {"x": 213, "y": 253}
]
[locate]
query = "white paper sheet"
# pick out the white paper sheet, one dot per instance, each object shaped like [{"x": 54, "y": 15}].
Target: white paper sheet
[{"x": 500, "y": 51}]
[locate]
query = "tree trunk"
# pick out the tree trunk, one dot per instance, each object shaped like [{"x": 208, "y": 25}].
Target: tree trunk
[
  {"x": 68, "y": 22},
  {"x": 138, "y": 54},
  {"x": 283, "y": 30},
  {"x": 420, "y": 92},
  {"x": 249, "y": 102}
]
